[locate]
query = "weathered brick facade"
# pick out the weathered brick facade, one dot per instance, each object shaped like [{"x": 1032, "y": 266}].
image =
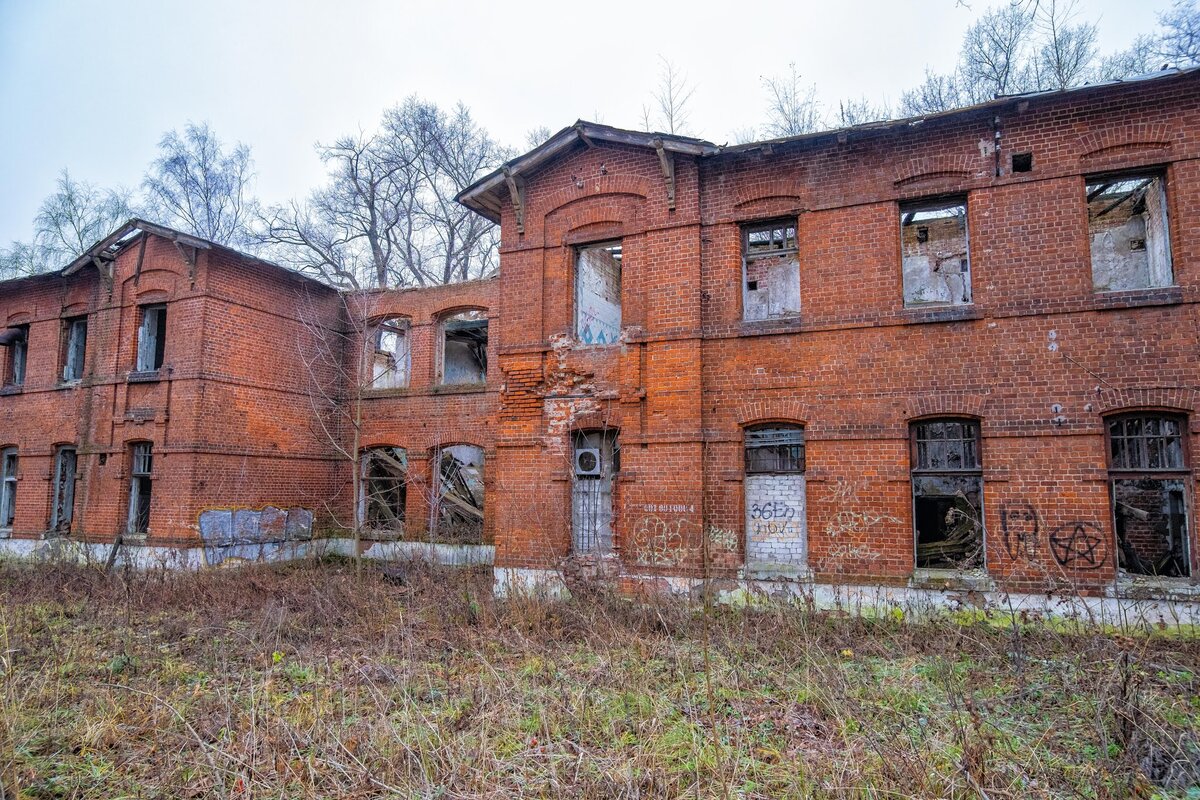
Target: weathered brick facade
[{"x": 630, "y": 459}]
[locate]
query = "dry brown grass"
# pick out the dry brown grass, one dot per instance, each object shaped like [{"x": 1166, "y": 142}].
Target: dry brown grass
[{"x": 309, "y": 681}]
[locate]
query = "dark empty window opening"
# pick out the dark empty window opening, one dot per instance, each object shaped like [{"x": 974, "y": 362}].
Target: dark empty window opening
[
  {"x": 1149, "y": 484},
  {"x": 392, "y": 358},
  {"x": 8, "y": 487},
  {"x": 1127, "y": 225},
  {"x": 16, "y": 340},
  {"x": 62, "y": 507},
  {"x": 383, "y": 494},
  {"x": 947, "y": 481},
  {"x": 152, "y": 338},
  {"x": 141, "y": 485},
  {"x": 775, "y": 449},
  {"x": 770, "y": 271},
  {"x": 936, "y": 253},
  {"x": 74, "y": 348},
  {"x": 1022, "y": 162},
  {"x": 464, "y": 348},
  {"x": 459, "y": 512},
  {"x": 598, "y": 293}
]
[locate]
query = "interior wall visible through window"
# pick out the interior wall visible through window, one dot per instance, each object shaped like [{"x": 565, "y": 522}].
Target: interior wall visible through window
[
  {"x": 770, "y": 271},
  {"x": 598, "y": 293},
  {"x": 1127, "y": 227},
  {"x": 464, "y": 348},
  {"x": 391, "y": 360},
  {"x": 936, "y": 254}
]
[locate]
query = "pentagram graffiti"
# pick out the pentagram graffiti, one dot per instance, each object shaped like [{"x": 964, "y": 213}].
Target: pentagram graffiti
[
  {"x": 1019, "y": 523},
  {"x": 1079, "y": 545}
]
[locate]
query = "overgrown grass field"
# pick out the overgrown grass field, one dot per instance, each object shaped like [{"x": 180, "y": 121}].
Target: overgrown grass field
[{"x": 316, "y": 681}]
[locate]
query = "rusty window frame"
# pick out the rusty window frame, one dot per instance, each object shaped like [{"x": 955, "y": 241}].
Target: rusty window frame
[
  {"x": 1141, "y": 443},
  {"x": 916, "y": 440}
]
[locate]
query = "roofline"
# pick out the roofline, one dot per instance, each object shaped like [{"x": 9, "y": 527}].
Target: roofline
[{"x": 480, "y": 196}]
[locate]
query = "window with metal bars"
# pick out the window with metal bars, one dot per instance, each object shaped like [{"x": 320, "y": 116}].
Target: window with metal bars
[{"x": 775, "y": 449}]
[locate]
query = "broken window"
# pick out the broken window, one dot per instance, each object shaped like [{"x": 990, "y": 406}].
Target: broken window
[
  {"x": 459, "y": 512},
  {"x": 770, "y": 271},
  {"x": 152, "y": 338},
  {"x": 74, "y": 346},
  {"x": 392, "y": 358},
  {"x": 16, "y": 339},
  {"x": 934, "y": 247},
  {"x": 1149, "y": 477},
  {"x": 141, "y": 485},
  {"x": 1127, "y": 225},
  {"x": 384, "y": 488},
  {"x": 598, "y": 293},
  {"x": 947, "y": 482},
  {"x": 464, "y": 348},
  {"x": 62, "y": 508},
  {"x": 776, "y": 528},
  {"x": 8, "y": 486}
]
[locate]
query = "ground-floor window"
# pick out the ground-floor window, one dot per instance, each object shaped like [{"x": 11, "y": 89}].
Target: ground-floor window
[
  {"x": 597, "y": 459},
  {"x": 947, "y": 486},
  {"x": 141, "y": 486},
  {"x": 776, "y": 529},
  {"x": 383, "y": 488},
  {"x": 458, "y": 514},
  {"x": 1149, "y": 486},
  {"x": 62, "y": 504},
  {"x": 8, "y": 487}
]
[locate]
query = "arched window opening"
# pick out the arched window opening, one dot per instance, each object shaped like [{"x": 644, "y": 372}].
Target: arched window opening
[
  {"x": 947, "y": 484},
  {"x": 391, "y": 360},
  {"x": 464, "y": 348},
  {"x": 383, "y": 488},
  {"x": 460, "y": 498},
  {"x": 776, "y": 524}
]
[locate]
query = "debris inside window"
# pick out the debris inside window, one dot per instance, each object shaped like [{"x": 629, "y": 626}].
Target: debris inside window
[
  {"x": 1149, "y": 491},
  {"x": 152, "y": 338},
  {"x": 934, "y": 247},
  {"x": 384, "y": 488},
  {"x": 464, "y": 349},
  {"x": 392, "y": 358},
  {"x": 1127, "y": 223},
  {"x": 598, "y": 293},
  {"x": 771, "y": 271},
  {"x": 460, "y": 494},
  {"x": 947, "y": 481},
  {"x": 63, "y": 509},
  {"x": 141, "y": 487},
  {"x": 16, "y": 339},
  {"x": 74, "y": 347}
]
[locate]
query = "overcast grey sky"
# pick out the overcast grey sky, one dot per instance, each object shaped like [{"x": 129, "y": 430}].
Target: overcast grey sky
[{"x": 91, "y": 86}]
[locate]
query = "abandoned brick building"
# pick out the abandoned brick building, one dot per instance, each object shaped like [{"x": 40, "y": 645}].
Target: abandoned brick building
[{"x": 953, "y": 352}]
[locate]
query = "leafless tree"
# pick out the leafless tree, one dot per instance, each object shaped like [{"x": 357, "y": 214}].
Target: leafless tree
[
  {"x": 537, "y": 136},
  {"x": 1139, "y": 58},
  {"x": 792, "y": 109},
  {"x": 69, "y": 221},
  {"x": 1179, "y": 43},
  {"x": 938, "y": 92},
  {"x": 856, "y": 112},
  {"x": 198, "y": 186},
  {"x": 1066, "y": 54},
  {"x": 387, "y": 215},
  {"x": 669, "y": 111},
  {"x": 995, "y": 53}
]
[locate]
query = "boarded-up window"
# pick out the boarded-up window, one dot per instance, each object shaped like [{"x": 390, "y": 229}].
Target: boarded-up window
[
  {"x": 776, "y": 528},
  {"x": 598, "y": 293},
  {"x": 391, "y": 358},
  {"x": 62, "y": 508},
  {"x": 1127, "y": 224},
  {"x": 935, "y": 251},
  {"x": 8, "y": 487},
  {"x": 383, "y": 488},
  {"x": 74, "y": 348},
  {"x": 459, "y": 512},
  {"x": 152, "y": 338},
  {"x": 1149, "y": 482},
  {"x": 947, "y": 482},
  {"x": 464, "y": 348},
  {"x": 770, "y": 271}
]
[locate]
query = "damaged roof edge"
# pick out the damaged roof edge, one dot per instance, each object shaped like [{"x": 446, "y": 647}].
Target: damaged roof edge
[{"x": 483, "y": 196}]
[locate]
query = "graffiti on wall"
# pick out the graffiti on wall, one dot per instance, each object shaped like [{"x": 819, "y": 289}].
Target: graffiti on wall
[
  {"x": 1078, "y": 544},
  {"x": 1019, "y": 526}
]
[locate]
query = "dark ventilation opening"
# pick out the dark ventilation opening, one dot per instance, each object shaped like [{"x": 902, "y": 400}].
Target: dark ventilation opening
[{"x": 1022, "y": 162}]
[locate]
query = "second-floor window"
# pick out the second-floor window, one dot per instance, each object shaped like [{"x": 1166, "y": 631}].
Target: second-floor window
[
  {"x": 770, "y": 271},
  {"x": 16, "y": 340},
  {"x": 464, "y": 348},
  {"x": 74, "y": 348},
  {"x": 1127, "y": 226},
  {"x": 598, "y": 293},
  {"x": 935, "y": 250},
  {"x": 152, "y": 337},
  {"x": 392, "y": 358}
]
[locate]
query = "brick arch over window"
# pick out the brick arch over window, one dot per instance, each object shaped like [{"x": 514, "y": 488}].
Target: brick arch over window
[
  {"x": 1123, "y": 139},
  {"x": 937, "y": 168},
  {"x": 637, "y": 186},
  {"x": 1180, "y": 399},
  {"x": 753, "y": 199},
  {"x": 946, "y": 405},
  {"x": 754, "y": 412}
]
